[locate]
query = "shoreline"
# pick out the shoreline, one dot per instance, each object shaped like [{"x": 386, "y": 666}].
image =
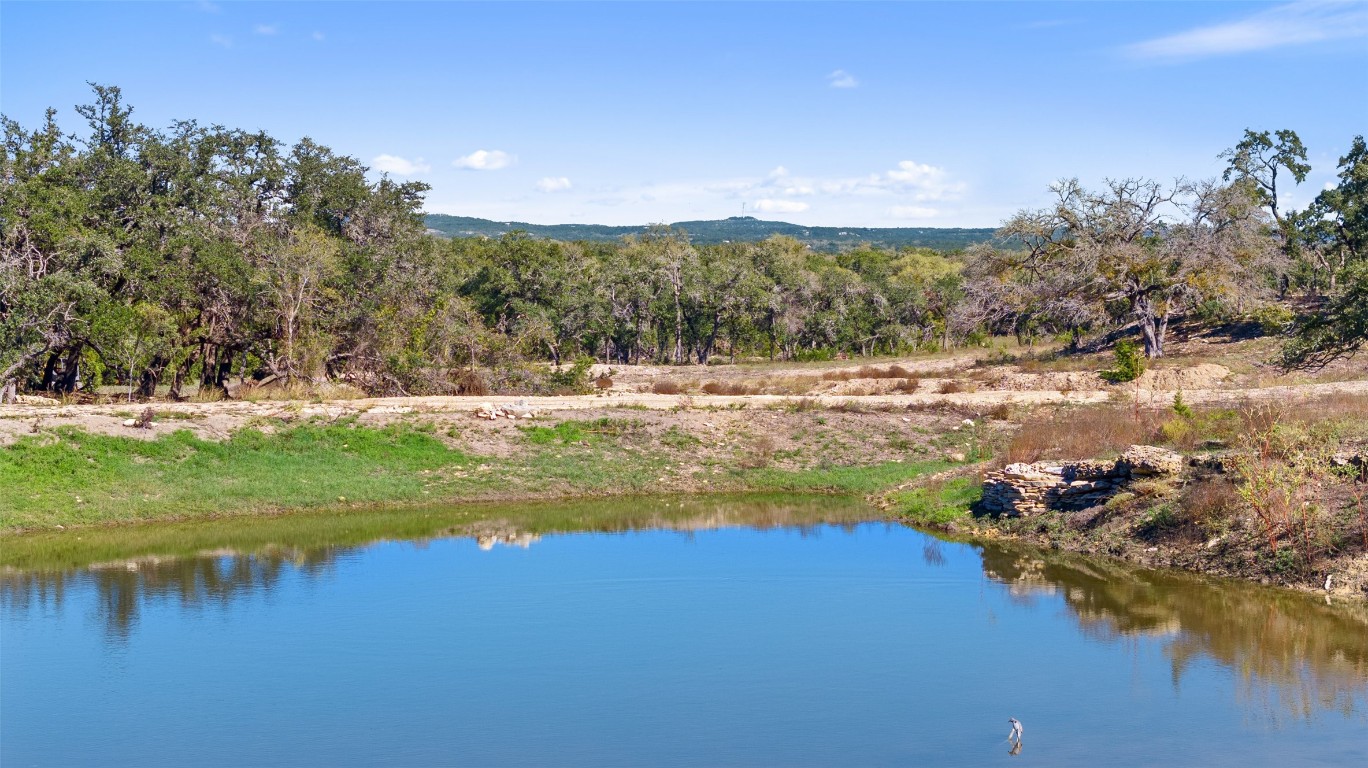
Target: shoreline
[{"x": 941, "y": 504}]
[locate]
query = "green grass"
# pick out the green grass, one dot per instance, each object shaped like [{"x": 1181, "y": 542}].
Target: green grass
[
  {"x": 70, "y": 477},
  {"x": 67, "y": 477},
  {"x": 863, "y": 480},
  {"x": 938, "y": 504},
  {"x": 568, "y": 432}
]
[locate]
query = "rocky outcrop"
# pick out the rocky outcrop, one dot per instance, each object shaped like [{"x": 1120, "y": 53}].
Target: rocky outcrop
[
  {"x": 1022, "y": 490},
  {"x": 516, "y": 411}
]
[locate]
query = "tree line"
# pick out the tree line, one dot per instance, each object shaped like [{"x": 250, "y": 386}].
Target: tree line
[{"x": 197, "y": 255}]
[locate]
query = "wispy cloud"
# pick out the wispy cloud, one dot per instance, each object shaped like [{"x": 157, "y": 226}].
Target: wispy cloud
[
  {"x": 767, "y": 205},
  {"x": 222, "y": 41},
  {"x": 485, "y": 160},
  {"x": 1285, "y": 25},
  {"x": 399, "y": 166},
  {"x": 842, "y": 79},
  {"x": 266, "y": 29},
  {"x": 208, "y": 7},
  {"x": 317, "y": 37},
  {"x": 554, "y": 184},
  {"x": 908, "y": 190}
]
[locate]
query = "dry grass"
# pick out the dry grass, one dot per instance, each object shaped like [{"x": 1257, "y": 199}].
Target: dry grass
[
  {"x": 759, "y": 454},
  {"x": 1208, "y": 499},
  {"x": 207, "y": 395},
  {"x": 300, "y": 390},
  {"x": 470, "y": 382},
  {"x": 869, "y": 372},
  {"x": 667, "y": 388},
  {"x": 1272, "y": 429},
  {"x": 1083, "y": 433},
  {"x": 730, "y": 388},
  {"x": 1000, "y": 412},
  {"x": 955, "y": 386},
  {"x": 908, "y": 386}
]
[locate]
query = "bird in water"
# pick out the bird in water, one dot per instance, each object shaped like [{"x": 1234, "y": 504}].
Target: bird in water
[{"x": 1015, "y": 735}]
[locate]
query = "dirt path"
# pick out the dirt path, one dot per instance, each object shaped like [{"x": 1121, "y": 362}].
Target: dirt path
[{"x": 221, "y": 418}]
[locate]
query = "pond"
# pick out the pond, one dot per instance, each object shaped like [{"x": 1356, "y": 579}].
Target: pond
[{"x": 652, "y": 632}]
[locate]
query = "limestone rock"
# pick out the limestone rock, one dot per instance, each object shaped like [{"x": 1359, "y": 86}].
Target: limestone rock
[
  {"x": 35, "y": 400},
  {"x": 1029, "y": 489},
  {"x": 1149, "y": 460}
]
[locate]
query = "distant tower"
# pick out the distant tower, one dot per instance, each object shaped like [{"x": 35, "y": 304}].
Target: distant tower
[{"x": 743, "y": 209}]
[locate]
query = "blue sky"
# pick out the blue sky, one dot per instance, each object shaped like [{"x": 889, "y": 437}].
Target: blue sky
[{"x": 879, "y": 114}]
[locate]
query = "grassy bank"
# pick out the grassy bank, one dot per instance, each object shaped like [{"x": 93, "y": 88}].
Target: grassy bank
[
  {"x": 1270, "y": 492},
  {"x": 305, "y": 533},
  {"x": 67, "y": 477}
]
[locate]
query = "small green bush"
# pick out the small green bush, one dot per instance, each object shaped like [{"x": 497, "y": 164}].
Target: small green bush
[
  {"x": 1273, "y": 319},
  {"x": 1130, "y": 363},
  {"x": 575, "y": 378},
  {"x": 1182, "y": 408}
]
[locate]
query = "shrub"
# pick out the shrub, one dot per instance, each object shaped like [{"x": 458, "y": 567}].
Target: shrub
[
  {"x": 1130, "y": 363},
  {"x": 1273, "y": 319},
  {"x": 1180, "y": 433},
  {"x": 575, "y": 378},
  {"x": 667, "y": 388},
  {"x": 1000, "y": 411},
  {"x": 470, "y": 382},
  {"x": 726, "y": 388},
  {"x": 908, "y": 385},
  {"x": 1208, "y": 500},
  {"x": 759, "y": 455},
  {"x": 1180, "y": 407}
]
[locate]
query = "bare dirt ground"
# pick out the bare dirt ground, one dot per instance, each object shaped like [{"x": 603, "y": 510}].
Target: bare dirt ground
[{"x": 963, "y": 384}]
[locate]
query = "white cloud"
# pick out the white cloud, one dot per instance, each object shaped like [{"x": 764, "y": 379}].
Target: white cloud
[
  {"x": 1285, "y": 25},
  {"x": 485, "y": 160},
  {"x": 842, "y": 79},
  {"x": 208, "y": 7},
  {"x": 266, "y": 29},
  {"x": 317, "y": 36},
  {"x": 554, "y": 184},
  {"x": 779, "y": 206},
  {"x": 902, "y": 192},
  {"x": 399, "y": 166},
  {"x": 912, "y": 212},
  {"x": 222, "y": 41},
  {"x": 923, "y": 182}
]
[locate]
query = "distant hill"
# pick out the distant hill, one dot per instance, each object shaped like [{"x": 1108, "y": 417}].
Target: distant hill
[{"x": 735, "y": 229}]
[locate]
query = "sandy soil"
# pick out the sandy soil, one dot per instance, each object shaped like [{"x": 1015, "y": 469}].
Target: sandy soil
[{"x": 217, "y": 420}]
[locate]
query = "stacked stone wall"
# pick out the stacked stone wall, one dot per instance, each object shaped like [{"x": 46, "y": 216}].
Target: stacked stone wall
[{"x": 1022, "y": 490}]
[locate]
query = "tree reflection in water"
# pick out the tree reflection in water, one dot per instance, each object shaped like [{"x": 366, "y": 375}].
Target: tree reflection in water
[
  {"x": 221, "y": 573},
  {"x": 122, "y": 588},
  {"x": 1292, "y": 653}
]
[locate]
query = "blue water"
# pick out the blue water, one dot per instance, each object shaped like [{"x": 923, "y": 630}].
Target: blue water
[{"x": 870, "y": 645}]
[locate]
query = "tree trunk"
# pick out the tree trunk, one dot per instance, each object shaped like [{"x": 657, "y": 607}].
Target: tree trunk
[
  {"x": 1152, "y": 329},
  {"x": 151, "y": 376},
  {"x": 50, "y": 370},
  {"x": 9, "y": 391},
  {"x": 71, "y": 369},
  {"x": 181, "y": 374},
  {"x": 679, "y": 327}
]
